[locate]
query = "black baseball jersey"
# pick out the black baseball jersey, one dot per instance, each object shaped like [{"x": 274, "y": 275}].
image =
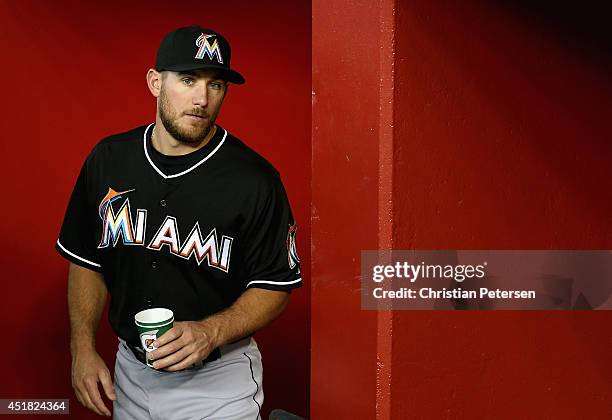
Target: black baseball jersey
[{"x": 191, "y": 241}]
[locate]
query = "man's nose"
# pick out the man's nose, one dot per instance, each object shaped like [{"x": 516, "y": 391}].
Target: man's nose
[{"x": 200, "y": 97}]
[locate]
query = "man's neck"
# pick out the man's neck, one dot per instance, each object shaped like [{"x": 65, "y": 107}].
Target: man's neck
[{"x": 167, "y": 145}]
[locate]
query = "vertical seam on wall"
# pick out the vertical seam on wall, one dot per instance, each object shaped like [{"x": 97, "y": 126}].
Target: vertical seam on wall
[{"x": 384, "y": 343}]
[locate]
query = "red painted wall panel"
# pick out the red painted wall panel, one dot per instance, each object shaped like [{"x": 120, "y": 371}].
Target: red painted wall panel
[
  {"x": 344, "y": 210},
  {"x": 502, "y": 142},
  {"x": 74, "y": 72}
]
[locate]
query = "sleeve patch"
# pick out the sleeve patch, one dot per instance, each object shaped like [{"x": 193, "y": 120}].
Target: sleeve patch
[{"x": 292, "y": 254}]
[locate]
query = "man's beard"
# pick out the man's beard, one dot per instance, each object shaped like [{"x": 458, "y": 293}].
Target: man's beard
[{"x": 170, "y": 121}]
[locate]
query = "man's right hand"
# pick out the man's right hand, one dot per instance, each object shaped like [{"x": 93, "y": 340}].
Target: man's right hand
[{"x": 88, "y": 369}]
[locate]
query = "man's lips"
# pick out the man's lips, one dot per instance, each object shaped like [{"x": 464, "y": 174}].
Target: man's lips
[{"x": 197, "y": 116}]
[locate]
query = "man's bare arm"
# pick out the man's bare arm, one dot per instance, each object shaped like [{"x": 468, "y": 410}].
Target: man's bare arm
[
  {"x": 255, "y": 309},
  {"x": 86, "y": 298},
  {"x": 189, "y": 342}
]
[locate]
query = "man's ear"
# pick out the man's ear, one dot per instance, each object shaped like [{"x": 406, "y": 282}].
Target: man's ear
[{"x": 154, "y": 81}]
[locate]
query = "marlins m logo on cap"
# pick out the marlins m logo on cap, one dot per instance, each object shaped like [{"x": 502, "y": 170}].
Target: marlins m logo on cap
[
  {"x": 177, "y": 53},
  {"x": 207, "y": 49}
]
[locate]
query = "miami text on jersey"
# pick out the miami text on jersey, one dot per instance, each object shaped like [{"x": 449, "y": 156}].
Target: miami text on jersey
[{"x": 120, "y": 224}]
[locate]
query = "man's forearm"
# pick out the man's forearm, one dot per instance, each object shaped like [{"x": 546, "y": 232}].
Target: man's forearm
[
  {"x": 253, "y": 310},
  {"x": 86, "y": 298}
]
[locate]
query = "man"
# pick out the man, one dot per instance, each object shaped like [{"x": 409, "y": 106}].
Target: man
[{"x": 178, "y": 214}]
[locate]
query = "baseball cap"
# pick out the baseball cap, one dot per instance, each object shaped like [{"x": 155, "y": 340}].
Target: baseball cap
[{"x": 193, "y": 48}]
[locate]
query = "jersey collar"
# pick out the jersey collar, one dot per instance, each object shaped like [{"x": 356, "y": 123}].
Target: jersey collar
[{"x": 204, "y": 159}]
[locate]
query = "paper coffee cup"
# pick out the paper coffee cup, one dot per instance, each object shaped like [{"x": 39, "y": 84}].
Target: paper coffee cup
[{"x": 152, "y": 324}]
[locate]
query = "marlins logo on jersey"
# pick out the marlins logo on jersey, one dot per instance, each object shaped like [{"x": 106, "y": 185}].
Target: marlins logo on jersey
[
  {"x": 291, "y": 247},
  {"x": 119, "y": 224}
]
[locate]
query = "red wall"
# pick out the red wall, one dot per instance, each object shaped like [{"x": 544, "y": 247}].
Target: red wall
[
  {"x": 502, "y": 142},
  {"x": 345, "y": 125},
  {"x": 73, "y": 73},
  {"x": 500, "y": 139}
]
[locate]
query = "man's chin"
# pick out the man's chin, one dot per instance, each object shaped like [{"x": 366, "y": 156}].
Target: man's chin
[{"x": 193, "y": 136}]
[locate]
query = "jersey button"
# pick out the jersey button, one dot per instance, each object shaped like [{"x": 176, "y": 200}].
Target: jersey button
[
  {"x": 154, "y": 264},
  {"x": 162, "y": 203}
]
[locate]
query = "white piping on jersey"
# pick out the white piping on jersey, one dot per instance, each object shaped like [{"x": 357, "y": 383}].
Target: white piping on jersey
[
  {"x": 274, "y": 282},
  {"x": 186, "y": 170},
  {"x": 76, "y": 256}
]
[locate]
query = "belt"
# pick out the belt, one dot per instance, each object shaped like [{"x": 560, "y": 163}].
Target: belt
[{"x": 139, "y": 353}]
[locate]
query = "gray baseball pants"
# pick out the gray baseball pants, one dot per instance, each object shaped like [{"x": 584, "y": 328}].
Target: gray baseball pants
[{"x": 227, "y": 388}]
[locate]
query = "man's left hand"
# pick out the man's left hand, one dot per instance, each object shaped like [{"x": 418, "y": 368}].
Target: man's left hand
[{"x": 183, "y": 345}]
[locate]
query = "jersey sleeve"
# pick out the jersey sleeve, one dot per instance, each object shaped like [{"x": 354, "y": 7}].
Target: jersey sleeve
[
  {"x": 271, "y": 257},
  {"x": 76, "y": 240}
]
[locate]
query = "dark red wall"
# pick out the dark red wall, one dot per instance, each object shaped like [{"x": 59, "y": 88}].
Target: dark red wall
[
  {"x": 74, "y": 72},
  {"x": 500, "y": 140}
]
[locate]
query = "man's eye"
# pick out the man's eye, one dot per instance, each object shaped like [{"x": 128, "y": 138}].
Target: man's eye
[
  {"x": 216, "y": 85},
  {"x": 187, "y": 81}
]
